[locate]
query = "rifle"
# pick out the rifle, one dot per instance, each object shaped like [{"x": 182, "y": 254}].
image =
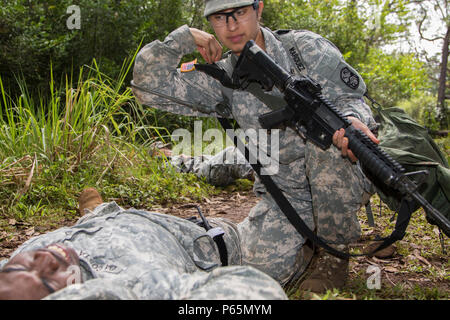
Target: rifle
[{"x": 317, "y": 119}]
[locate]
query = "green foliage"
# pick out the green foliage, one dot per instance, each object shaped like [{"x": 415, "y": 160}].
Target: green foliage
[
  {"x": 90, "y": 135},
  {"x": 393, "y": 77},
  {"x": 66, "y": 124},
  {"x": 359, "y": 30},
  {"x": 150, "y": 183},
  {"x": 353, "y": 26},
  {"x": 34, "y": 33},
  {"x": 422, "y": 108},
  {"x": 444, "y": 145}
]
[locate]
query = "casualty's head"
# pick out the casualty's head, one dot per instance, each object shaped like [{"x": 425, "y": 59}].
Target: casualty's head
[
  {"x": 33, "y": 275},
  {"x": 235, "y": 22}
]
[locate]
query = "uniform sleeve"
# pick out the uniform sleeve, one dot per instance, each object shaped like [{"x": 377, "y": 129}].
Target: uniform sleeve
[
  {"x": 341, "y": 83},
  {"x": 232, "y": 282},
  {"x": 158, "y": 83}
]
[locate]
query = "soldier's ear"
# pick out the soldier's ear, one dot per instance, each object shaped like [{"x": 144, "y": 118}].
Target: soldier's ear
[{"x": 260, "y": 9}]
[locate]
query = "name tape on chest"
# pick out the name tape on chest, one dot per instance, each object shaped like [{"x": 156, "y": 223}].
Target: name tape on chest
[{"x": 297, "y": 60}]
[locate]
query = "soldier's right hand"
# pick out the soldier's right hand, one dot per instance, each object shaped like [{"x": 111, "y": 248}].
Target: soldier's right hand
[{"x": 207, "y": 45}]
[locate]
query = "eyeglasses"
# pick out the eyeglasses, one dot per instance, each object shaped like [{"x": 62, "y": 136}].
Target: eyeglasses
[{"x": 240, "y": 15}]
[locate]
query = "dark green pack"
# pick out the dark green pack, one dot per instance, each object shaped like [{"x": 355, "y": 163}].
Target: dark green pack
[{"x": 410, "y": 144}]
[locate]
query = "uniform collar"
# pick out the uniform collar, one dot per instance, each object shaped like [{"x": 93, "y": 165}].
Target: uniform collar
[{"x": 275, "y": 48}]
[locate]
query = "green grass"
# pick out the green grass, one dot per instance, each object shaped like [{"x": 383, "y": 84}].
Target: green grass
[{"x": 92, "y": 134}]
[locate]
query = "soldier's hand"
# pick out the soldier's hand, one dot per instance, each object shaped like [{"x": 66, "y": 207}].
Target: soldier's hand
[
  {"x": 207, "y": 45},
  {"x": 342, "y": 142}
]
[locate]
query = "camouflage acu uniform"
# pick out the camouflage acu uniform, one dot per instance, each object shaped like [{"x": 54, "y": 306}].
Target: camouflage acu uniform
[
  {"x": 133, "y": 254},
  {"x": 221, "y": 169},
  {"x": 321, "y": 185}
]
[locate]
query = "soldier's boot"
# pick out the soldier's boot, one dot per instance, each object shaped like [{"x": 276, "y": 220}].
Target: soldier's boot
[
  {"x": 328, "y": 272},
  {"x": 89, "y": 199}
]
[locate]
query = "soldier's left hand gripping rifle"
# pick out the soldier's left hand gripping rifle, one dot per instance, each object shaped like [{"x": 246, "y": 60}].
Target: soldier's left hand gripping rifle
[{"x": 317, "y": 119}]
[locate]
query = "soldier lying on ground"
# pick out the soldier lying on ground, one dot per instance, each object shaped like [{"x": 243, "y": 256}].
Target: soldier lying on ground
[{"x": 112, "y": 253}]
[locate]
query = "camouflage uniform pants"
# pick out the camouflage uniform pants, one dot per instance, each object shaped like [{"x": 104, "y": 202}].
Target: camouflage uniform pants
[
  {"x": 219, "y": 170},
  {"x": 337, "y": 189}
]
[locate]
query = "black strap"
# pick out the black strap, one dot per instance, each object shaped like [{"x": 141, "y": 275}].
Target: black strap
[
  {"x": 297, "y": 222},
  {"x": 222, "y": 249},
  {"x": 369, "y": 215},
  {"x": 218, "y": 73},
  {"x": 404, "y": 215},
  {"x": 218, "y": 238}
]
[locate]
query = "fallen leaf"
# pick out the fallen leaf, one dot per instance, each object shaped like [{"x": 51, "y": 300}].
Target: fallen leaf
[
  {"x": 30, "y": 177},
  {"x": 29, "y": 232},
  {"x": 415, "y": 246},
  {"x": 390, "y": 269},
  {"x": 206, "y": 200},
  {"x": 411, "y": 257},
  {"x": 436, "y": 231},
  {"x": 380, "y": 260},
  {"x": 12, "y": 222},
  {"x": 422, "y": 259}
]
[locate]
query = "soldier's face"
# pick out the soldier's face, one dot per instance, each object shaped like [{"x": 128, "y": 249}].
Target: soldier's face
[
  {"x": 35, "y": 274},
  {"x": 236, "y": 30}
]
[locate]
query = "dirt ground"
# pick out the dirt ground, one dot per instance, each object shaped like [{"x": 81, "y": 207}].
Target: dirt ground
[{"x": 234, "y": 207}]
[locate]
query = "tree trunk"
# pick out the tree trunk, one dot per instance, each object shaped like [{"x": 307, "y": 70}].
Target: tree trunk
[{"x": 443, "y": 114}]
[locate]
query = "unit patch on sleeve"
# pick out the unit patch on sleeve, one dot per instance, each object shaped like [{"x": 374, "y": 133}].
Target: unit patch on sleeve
[
  {"x": 350, "y": 78},
  {"x": 188, "y": 66}
]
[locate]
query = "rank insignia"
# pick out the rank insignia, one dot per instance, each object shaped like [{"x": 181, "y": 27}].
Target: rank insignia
[
  {"x": 188, "y": 66},
  {"x": 350, "y": 78}
]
